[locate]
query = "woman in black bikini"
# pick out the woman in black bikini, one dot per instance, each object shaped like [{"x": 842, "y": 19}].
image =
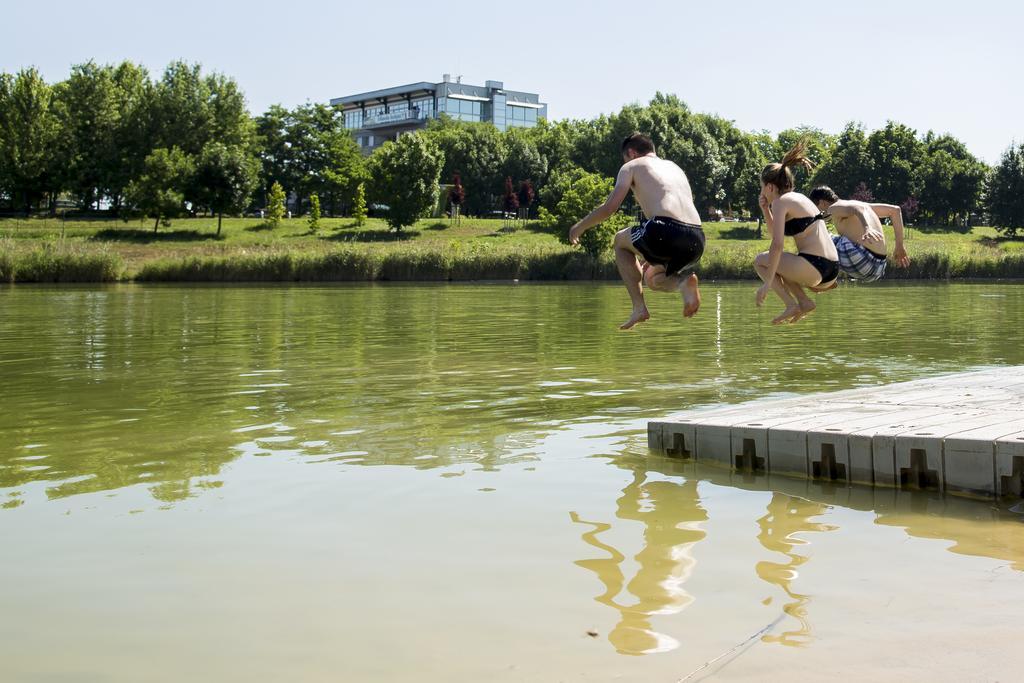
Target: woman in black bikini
[{"x": 791, "y": 214}]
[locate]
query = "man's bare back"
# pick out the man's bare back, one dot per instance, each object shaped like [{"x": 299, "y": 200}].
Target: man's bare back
[
  {"x": 853, "y": 219},
  {"x": 661, "y": 188}
]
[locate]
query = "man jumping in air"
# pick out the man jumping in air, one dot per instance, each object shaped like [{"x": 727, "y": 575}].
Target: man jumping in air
[
  {"x": 861, "y": 242},
  {"x": 670, "y": 241}
]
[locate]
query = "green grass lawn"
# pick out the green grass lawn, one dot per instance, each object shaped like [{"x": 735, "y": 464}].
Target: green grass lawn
[{"x": 979, "y": 252}]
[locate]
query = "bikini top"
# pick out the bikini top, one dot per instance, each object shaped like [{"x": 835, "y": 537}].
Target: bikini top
[{"x": 795, "y": 226}]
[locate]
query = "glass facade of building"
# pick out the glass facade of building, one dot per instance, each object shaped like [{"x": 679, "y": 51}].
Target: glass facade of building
[{"x": 383, "y": 115}]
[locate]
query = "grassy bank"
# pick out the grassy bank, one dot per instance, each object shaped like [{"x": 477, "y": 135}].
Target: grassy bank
[
  {"x": 57, "y": 262},
  {"x": 48, "y": 250}
]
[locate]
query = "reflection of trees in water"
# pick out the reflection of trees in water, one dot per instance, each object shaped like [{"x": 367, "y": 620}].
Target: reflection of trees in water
[
  {"x": 670, "y": 513},
  {"x": 786, "y": 517}
]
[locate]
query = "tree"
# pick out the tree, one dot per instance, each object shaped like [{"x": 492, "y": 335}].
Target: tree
[
  {"x": 1005, "y": 197},
  {"x": 848, "y": 166},
  {"x": 89, "y": 121},
  {"x": 952, "y": 179},
  {"x": 273, "y": 148},
  {"x": 159, "y": 192},
  {"x": 895, "y": 157},
  {"x": 404, "y": 175},
  {"x": 526, "y": 195},
  {"x": 180, "y": 109},
  {"x": 862, "y": 193},
  {"x": 478, "y": 152},
  {"x": 522, "y": 159},
  {"x": 275, "y": 205},
  {"x": 314, "y": 213},
  {"x": 511, "y": 200},
  {"x": 582, "y": 192},
  {"x": 456, "y": 196},
  {"x": 359, "y": 206},
  {"x": 224, "y": 179},
  {"x": 29, "y": 133},
  {"x": 820, "y": 146},
  {"x": 133, "y": 129}
]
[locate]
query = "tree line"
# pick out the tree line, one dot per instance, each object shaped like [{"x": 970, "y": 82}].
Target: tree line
[{"x": 185, "y": 143}]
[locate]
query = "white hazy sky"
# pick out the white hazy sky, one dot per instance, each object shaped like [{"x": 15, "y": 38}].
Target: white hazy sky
[{"x": 954, "y": 67}]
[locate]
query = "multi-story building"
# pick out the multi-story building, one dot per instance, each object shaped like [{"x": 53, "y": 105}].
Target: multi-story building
[{"x": 381, "y": 115}]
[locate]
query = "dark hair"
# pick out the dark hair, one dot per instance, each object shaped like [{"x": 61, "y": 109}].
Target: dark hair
[
  {"x": 823, "y": 192},
  {"x": 639, "y": 143},
  {"x": 779, "y": 175}
]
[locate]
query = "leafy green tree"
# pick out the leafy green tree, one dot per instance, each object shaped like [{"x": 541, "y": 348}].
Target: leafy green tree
[
  {"x": 224, "y": 179},
  {"x": 556, "y": 143},
  {"x": 308, "y": 150},
  {"x": 133, "y": 130},
  {"x": 1005, "y": 196},
  {"x": 314, "y": 213},
  {"x": 522, "y": 158},
  {"x": 359, "y": 206},
  {"x": 849, "y": 164},
  {"x": 478, "y": 152},
  {"x": 952, "y": 180},
  {"x": 190, "y": 110},
  {"x": 895, "y": 156},
  {"x": 273, "y": 148},
  {"x": 89, "y": 118},
  {"x": 756, "y": 151},
  {"x": 561, "y": 181},
  {"x": 404, "y": 175},
  {"x": 159, "y": 192},
  {"x": 578, "y": 194},
  {"x": 180, "y": 110},
  {"x": 30, "y": 163},
  {"x": 275, "y": 205},
  {"x": 820, "y": 146}
]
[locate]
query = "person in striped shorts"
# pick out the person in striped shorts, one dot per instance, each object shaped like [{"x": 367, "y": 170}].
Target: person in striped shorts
[{"x": 861, "y": 242}]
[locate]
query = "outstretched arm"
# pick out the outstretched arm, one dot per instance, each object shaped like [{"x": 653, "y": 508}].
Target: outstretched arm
[
  {"x": 899, "y": 252},
  {"x": 602, "y": 213}
]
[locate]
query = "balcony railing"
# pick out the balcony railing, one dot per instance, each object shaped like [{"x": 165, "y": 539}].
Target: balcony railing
[{"x": 394, "y": 117}]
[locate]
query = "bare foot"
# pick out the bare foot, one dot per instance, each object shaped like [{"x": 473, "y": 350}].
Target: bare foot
[
  {"x": 806, "y": 308},
  {"x": 691, "y": 296},
  {"x": 638, "y": 316},
  {"x": 787, "y": 315}
]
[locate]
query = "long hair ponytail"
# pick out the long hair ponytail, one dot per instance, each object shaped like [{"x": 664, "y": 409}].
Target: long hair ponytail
[{"x": 779, "y": 175}]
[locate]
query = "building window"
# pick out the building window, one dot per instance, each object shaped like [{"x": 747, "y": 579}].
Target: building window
[
  {"x": 354, "y": 119},
  {"x": 423, "y": 108}
]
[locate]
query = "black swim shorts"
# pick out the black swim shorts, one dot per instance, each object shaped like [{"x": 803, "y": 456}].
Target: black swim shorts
[{"x": 667, "y": 242}]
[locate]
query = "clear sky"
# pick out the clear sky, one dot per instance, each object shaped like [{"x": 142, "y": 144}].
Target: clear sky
[{"x": 947, "y": 66}]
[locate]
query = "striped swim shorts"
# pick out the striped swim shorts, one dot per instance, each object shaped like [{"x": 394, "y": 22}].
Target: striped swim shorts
[{"x": 857, "y": 261}]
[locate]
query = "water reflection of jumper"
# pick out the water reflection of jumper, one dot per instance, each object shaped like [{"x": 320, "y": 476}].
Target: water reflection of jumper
[
  {"x": 786, "y": 517},
  {"x": 671, "y": 514}
]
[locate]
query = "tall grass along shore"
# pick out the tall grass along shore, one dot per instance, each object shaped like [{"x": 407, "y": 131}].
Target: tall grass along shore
[{"x": 40, "y": 250}]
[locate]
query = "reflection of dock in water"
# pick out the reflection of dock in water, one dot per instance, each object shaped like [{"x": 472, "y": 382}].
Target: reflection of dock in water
[
  {"x": 671, "y": 514},
  {"x": 960, "y": 433},
  {"x": 971, "y": 527}
]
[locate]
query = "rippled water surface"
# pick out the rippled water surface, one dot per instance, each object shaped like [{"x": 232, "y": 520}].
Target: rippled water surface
[{"x": 451, "y": 483}]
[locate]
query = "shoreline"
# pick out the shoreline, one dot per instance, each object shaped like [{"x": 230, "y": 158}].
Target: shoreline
[{"x": 478, "y": 250}]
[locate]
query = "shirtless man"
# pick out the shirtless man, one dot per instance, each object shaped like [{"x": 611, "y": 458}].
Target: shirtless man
[
  {"x": 861, "y": 242},
  {"x": 669, "y": 242}
]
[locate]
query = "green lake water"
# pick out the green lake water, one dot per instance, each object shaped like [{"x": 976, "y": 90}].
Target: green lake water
[{"x": 418, "y": 482}]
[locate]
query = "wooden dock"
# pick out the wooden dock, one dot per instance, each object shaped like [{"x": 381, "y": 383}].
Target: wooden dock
[{"x": 962, "y": 434}]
